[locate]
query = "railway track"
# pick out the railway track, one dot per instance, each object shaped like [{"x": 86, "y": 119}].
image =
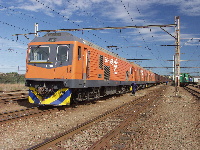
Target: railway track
[
  {"x": 12, "y": 92},
  {"x": 12, "y": 97},
  {"x": 10, "y": 116},
  {"x": 193, "y": 90},
  {"x": 102, "y": 131}
]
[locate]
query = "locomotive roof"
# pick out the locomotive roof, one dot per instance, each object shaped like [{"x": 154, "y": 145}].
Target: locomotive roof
[
  {"x": 59, "y": 36},
  {"x": 136, "y": 65},
  {"x": 65, "y": 36}
]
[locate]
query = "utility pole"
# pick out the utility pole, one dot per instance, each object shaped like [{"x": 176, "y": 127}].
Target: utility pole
[{"x": 177, "y": 55}]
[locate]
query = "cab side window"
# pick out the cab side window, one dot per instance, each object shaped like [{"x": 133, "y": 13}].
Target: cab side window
[
  {"x": 62, "y": 53},
  {"x": 79, "y": 52}
]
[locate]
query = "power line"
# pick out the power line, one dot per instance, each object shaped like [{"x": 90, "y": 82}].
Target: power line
[
  {"x": 104, "y": 28},
  {"x": 13, "y": 26},
  {"x": 12, "y": 10},
  {"x": 58, "y": 13},
  {"x": 152, "y": 37}
]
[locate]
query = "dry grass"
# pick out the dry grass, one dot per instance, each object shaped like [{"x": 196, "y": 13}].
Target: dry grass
[{"x": 12, "y": 87}]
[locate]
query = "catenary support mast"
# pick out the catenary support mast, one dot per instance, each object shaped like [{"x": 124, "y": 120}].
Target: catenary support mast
[{"x": 177, "y": 55}]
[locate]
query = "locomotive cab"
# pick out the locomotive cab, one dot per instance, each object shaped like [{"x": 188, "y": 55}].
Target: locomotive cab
[{"x": 49, "y": 61}]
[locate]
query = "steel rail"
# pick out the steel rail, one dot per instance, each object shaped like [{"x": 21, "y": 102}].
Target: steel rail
[
  {"x": 6, "y": 117},
  {"x": 194, "y": 91},
  {"x": 12, "y": 94},
  {"x": 6, "y": 98},
  {"x": 104, "y": 142},
  {"x": 52, "y": 141}
]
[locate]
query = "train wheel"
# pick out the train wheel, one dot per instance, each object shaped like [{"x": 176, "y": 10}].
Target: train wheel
[{"x": 97, "y": 93}]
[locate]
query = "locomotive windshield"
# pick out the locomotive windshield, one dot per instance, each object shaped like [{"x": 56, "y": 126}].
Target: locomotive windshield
[
  {"x": 62, "y": 52},
  {"x": 39, "y": 53}
]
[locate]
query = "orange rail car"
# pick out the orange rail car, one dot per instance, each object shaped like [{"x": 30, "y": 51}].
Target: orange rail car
[{"x": 62, "y": 68}]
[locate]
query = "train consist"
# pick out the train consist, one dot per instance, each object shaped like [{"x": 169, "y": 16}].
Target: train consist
[{"x": 61, "y": 68}]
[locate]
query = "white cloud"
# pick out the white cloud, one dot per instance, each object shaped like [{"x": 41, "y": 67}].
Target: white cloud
[
  {"x": 6, "y": 44},
  {"x": 152, "y": 34},
  {"x": 125, "y": 12},
  {"x": 46, "y": 6},
  {"x": 27, "y": 6},
  {"x": 77, "y": 21},
  {"x": 114, "y": 10},
  {"x": 104, "y": 32},
  {"x": 191, "y": 8}
]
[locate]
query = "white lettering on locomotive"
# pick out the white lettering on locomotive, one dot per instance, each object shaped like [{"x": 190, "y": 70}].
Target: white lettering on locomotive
[{"x": 113, "y": 62}]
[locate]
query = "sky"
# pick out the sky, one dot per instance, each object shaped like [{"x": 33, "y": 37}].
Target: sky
[{"x": 19, "y": 17}]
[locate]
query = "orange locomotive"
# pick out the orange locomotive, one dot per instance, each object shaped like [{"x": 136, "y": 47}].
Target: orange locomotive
[{"x": 62, "y": 68}]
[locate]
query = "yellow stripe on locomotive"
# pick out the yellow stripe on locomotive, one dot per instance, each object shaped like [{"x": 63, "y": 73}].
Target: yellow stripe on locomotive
[{"x": 60, "y": 97}]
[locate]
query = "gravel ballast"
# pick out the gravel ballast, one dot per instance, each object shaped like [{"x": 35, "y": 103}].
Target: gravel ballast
[{"x": 172, "y": 123}]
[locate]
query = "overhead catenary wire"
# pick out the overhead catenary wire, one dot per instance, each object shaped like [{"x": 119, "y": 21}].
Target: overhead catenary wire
[
  {"x": 193, "y": 52},
  {"x": 100, "y": 28},
  {"x": 158, "y": 56},
  {"x": 8, "y": 24},
  {"x": 12, "y": 10},
  {"x": 133, "y": 21},
  {"x": 150, "y": 46},
  {"x": 107, "y": 28},
  {"x": 75, "y": 23},
  {"x": 168, "y": 33},
  {"x": 58, "y": 13},
  {"x": 95, "y": 18},
  {"x": 6, "y": 38},
  {"x": 27, "y": 15},
  {"x": 146, "y": 46},
  {"x": 14, "y": 13},
  {"x": 25, "y": 35}
]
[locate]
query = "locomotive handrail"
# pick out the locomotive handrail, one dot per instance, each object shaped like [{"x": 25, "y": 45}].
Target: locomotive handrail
[{"x": 40, "y": 62}]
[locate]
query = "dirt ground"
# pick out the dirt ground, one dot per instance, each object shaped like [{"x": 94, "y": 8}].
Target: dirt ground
[
  {"x": 12, "y": 87},
  {"x": 171, "y": 123}
]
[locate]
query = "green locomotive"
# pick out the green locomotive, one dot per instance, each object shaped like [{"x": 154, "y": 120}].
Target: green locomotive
[{"x": 185, "y": 79}]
